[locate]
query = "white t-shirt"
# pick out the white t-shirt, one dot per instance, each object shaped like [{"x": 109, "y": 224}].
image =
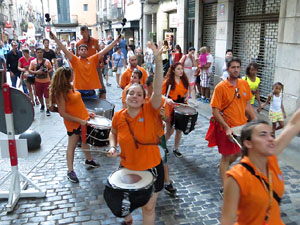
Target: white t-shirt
[{"x": 210, "y": 59}]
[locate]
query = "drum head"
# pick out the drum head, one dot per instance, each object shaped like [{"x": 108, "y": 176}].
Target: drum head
[
  {"x": 187, "y": 110},
  {"x": 100, "y": 122},
  {"x": 23, "y": 112},
  {"x": 131, "y": 179},
  {"x": 93, "y": 104}
]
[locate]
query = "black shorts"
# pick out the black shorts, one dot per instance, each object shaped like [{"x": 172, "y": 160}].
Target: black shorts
[
  {"x": 160, "y": 178},
  {"x": 77, "y": 131},
  {"x": 198, "y": 80}
]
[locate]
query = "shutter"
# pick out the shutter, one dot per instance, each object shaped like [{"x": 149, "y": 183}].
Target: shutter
[
  {"x": 209, "y": 30},
  {"x": 255, "y": 38}
]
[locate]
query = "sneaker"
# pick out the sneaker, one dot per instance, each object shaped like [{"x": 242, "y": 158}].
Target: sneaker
[
  {"x": 167, "y": 151},
  {"x": 206, "y": 100},
  {"x": 170, "y": 189},
  {"x": 47, "y": 112},
  {"x": 177, "y": 153},
  {"x": 72, "y": 177},
  {"x": 221, "y": 192},
  {"x": 127, "y": 223},
  {"x": 91, "y": 163},
  {"x": 42, "y": 108}
]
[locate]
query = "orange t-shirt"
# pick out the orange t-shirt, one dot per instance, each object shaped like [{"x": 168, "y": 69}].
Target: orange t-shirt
[
  {"x": 124, "y": 93},
  {"x": 254, "y": 198},
  {"x": 125, "y": 78},
  {"x": 223, "y": 94},
  {"x": 85, "y": 72},
  {"x": 75, "y": 107},
  {"x": 145, "y": 131},
  {"x": 47, "y": 63},
  {"x": 179, "y": 90},
  {"x": 92, "y": 44}
]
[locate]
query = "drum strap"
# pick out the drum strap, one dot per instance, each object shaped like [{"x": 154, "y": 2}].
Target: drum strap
[{"x": 136, "y": 142}]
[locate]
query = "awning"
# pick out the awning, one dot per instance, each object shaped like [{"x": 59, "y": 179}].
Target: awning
[{"x": 129, "y": 24}]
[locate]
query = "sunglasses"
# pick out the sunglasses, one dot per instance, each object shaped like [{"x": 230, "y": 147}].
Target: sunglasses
[{"x": 237, "y": 93}]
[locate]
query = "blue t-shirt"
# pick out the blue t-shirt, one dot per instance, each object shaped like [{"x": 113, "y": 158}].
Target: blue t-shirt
[{"x": 118, "y": 62}]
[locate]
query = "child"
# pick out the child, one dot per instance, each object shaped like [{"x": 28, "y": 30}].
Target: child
[
  {"x": 277, "y": 112},
  {"x": 204, "y": 75},
  {"x": 135, "y": 79},
  {"x": 72, "y": 109}
]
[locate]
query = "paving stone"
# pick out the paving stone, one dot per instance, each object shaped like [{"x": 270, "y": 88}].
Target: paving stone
[{"x": 195, "y": 176}]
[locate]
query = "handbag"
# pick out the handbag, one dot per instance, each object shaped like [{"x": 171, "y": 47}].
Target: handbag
[{"x": 30, "y": 79}]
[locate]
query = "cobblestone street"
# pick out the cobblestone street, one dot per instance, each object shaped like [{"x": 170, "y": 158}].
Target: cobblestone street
[{"x": 195, "y": 176}]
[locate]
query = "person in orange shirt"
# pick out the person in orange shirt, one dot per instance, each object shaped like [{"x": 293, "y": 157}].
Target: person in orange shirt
[
  {"x": 136, "y": 132},
  {"x": 254, "y": 187},
  {"x": 178, "y": 80},
  {"x": 135, "y": 79},
  {"x": 230, "y": 102},
  {"x": 164, "y": 116},
  {"x": 125, "y": 78},
  {"x": 93, "y": 48},
  {"x": 41, "y": 68},
  {"x": 71, "y": 108},
  {"x": 85, "y": 72}
]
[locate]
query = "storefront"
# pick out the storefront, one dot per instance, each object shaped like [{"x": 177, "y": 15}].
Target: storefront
[{"x": 255, "y": 37}]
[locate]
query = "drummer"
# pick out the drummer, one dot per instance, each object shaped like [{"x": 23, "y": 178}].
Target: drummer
[
  {"x": 230, "y": 101},
  {"x": 136, "y": 77},
  {"x": 178, "y": 80},
  {"x": 136, "y": 132},
  {"x": 164, "y": 116},
  {"x": 86, "y": 78},
  {"x": 71, "y": 108}
]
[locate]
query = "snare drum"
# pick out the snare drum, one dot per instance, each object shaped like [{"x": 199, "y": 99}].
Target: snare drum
[
  {"x": 127, "y": 190},
  {"x": 185, "y": 118},
  {"x": 98, "y": 130}
]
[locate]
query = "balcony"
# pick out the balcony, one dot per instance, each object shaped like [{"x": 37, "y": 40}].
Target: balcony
[{"x": 73, "y": 22}]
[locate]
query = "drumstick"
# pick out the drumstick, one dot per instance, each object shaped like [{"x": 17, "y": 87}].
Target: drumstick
[
  {"x": 99, "y": 151},
  {"x": 168, "y": 91},
  {"x": 232, "y": 137}
]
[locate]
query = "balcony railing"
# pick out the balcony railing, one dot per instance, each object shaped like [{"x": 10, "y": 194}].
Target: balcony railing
[{"x": 72, "y": 23}]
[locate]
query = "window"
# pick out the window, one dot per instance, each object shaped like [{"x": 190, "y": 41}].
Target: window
[{"x": 85, "y": 7}]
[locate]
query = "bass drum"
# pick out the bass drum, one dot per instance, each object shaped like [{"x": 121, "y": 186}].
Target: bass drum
[
  {"x": 100, "y": 107},
  {"x": 185, "y": 118}
]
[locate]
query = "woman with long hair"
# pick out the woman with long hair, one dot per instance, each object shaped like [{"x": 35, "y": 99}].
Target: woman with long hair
[
  {"x": 254, "y": 187},
  {"x": 178, "y": 80},
  {"x": 72, "y": 109},
  {"x": 118, "y": 62},
  {"x": 139, "y": 149},
  {"x": 177, "y": 55}
]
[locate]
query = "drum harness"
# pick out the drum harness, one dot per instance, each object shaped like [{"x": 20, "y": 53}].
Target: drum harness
[{"x": 136, "y": 142}]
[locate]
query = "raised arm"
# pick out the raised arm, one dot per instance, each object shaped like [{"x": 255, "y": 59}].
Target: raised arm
[
  {"x": 109, "y": 47},
  {"x": 68, "y": 54},
  {"x": 158, "y": 77},
  {"x": 288, "y": 133}
]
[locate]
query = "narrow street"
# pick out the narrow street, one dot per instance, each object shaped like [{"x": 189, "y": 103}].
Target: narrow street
[{"x": 195, "y": 176}]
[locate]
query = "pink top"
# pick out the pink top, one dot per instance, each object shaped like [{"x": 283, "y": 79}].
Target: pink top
[
  {"x": 25, "y": 63},
  {"x": 203, "y": 59}
]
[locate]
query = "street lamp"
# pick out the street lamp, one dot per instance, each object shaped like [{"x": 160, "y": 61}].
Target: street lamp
[{"x": 142, "y": 30}]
